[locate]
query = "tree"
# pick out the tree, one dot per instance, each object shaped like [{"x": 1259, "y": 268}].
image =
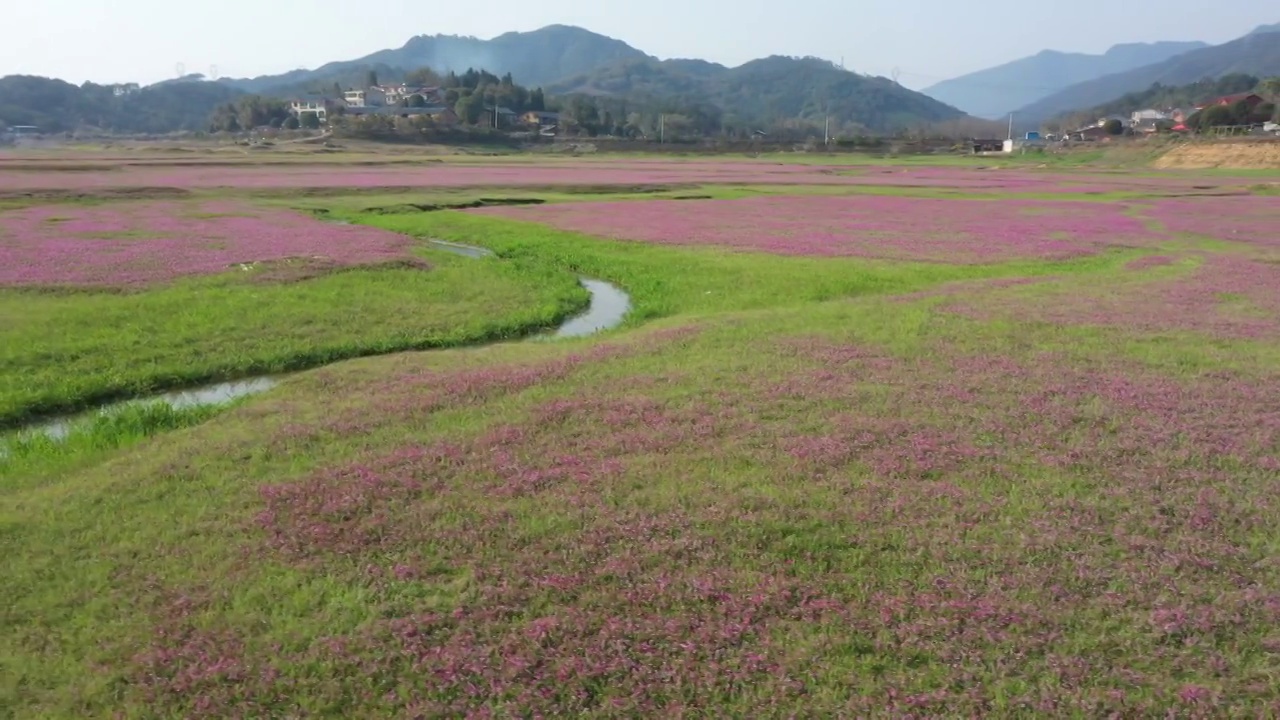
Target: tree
[
  {"x": 470, "y": 108},
  {"x": 370, "y": 78},
  {"x": 1270, "y": 88},
  {"x": 423, "y": 77},
  {"x": 1114, "y": 127},
  {"x": 537, "y": 101},
  {"x": 1216, "y": 116},
  {"x": 310, "y": 121},
  {"x": 291, "y": 123},
  {"x": 337, "y": 89},
  {"x": 416, "y": 101}
]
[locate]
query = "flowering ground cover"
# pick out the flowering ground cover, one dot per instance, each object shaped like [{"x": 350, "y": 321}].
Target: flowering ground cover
[
  {"x": 857, "y": 508},
  {"x": 121, "y": 244},
  {"x": 63, "y": 349},
  {"x": 792, "y": 487},
  {"x": 264, "y": 177},
  {"x": 1252, "y": 221},
  {"x": 953, "y": 231},
  {"x": 1219, "y": 295}
]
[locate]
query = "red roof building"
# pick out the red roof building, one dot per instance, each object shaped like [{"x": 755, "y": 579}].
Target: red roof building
[{"x": 1252, "y": 99}]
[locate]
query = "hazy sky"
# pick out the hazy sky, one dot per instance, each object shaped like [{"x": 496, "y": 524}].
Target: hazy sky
[{"x": 927, "y": 40}]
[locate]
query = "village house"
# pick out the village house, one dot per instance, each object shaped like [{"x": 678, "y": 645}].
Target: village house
[
  {"x": 1251, "y": 100},
  {"x": 1148, "y": 116},
  {"x": 321, "y": 107},
  {"x": 399, "y": 94},
  {"x": 391, "y": 95},
  {"x": 125, "y": 89},
  {"x": 359, "y": 99},
  {"x": 1090, "y": 134},
  {"x": 986, "y": 145}
]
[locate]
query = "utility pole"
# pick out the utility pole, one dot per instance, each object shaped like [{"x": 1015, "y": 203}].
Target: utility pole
[
  {"x": 826, "y": 131},
  {"x": 662, "y": 128},
  {"x": 1010, "y": 126}
]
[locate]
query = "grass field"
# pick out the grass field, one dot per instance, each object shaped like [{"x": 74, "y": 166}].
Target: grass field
[{"x": 832, "y": 465}]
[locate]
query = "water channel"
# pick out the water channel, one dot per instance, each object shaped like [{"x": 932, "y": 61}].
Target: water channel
[{"x": 609, "y": 306}]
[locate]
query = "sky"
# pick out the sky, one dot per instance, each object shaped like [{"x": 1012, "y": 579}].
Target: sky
[{"x": 926, "y": 41}]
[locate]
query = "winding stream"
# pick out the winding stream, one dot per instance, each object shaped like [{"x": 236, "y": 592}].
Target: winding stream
[{"x": 609, "y": 306}]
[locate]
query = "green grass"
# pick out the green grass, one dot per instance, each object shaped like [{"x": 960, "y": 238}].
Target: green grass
[
  {"x": 668, "y": 281},
  {"x": 29, "y": 459},
  {"x": 779, "y": 471},
  {"x": 61, "y": 351},
  {"x": 83, "y": 600}
]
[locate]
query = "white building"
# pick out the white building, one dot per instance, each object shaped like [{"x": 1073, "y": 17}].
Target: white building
[
  {"x": 320, "y": 107},
  {"x": 1148, "y": 115}
]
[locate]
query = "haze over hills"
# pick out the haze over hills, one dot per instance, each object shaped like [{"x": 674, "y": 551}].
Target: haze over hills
[
  {"x": 1257, "y": 53},
  {"x": 993, "y": 92},
  {"x": 539, "y": 57},
  {"x": 761, "y": 91},
  {"x": 571, "y": 60}
]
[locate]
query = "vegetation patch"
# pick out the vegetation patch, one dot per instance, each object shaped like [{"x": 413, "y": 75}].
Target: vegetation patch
[
  {"x": 922, "y": 229},
  {"x": 146, "y": 243},
  {"x": 61, "y": 351},
  {"x": 1035, "y": 479}
]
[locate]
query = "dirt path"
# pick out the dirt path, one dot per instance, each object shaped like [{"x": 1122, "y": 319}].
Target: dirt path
[{"x": 1253, "y": 154}]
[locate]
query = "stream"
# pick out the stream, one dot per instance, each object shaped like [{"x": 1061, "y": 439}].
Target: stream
[{"x": 609, "y": 306}]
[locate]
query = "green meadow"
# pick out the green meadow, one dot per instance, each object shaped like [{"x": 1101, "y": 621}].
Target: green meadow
[{"x": 784, "y": 486}]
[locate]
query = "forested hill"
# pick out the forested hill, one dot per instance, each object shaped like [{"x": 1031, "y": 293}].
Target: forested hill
[
  {"x": 56, "y": 106},
  {"x": 766, "y": 92},
  {"x": 1174, "y": 96},
  {"x": 538, "y": 57}
]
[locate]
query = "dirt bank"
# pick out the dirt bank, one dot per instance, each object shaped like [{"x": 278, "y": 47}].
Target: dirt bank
[{"x": 1250, "y": 154}]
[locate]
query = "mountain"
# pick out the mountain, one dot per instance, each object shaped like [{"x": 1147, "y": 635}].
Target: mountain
[
  {"x": 1257, "y": 53},
  {"x": 767, "y": 91},
  {"x": 993, "y": 92},
  {"x": 56, "y": 106},
  {"x": 539, "y": 57}
]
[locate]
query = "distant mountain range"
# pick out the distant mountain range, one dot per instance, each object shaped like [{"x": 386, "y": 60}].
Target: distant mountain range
[
  {"x": 1257, "y": 53},
  {"x": 535, "y": 58},
  {"x": 570, "y": 60},
  {"x": 993, "y": 92}
]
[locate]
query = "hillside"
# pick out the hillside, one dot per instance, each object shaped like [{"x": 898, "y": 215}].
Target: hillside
[
  {"x": 767, "y": 91},
  {"x": 1257, "y": 53},
  {"x": 57, "y": 106},
  {"x": 1166, "y": 96},
  {"x": 995, "y": 91},
  {"x": 538, "y": 57}
]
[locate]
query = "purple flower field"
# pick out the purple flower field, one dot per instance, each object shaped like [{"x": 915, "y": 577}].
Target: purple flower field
[
  {"x": 785, "y": 488},
  {"x": 953, "y": 231},
  {"x": 1225, "y": 295},
  {"x": 139, "y": 243},
  {"x": 603, "y": 172},
  {"x": 1000, "y": 517},
  {"x": 1251, "y": 220}
]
